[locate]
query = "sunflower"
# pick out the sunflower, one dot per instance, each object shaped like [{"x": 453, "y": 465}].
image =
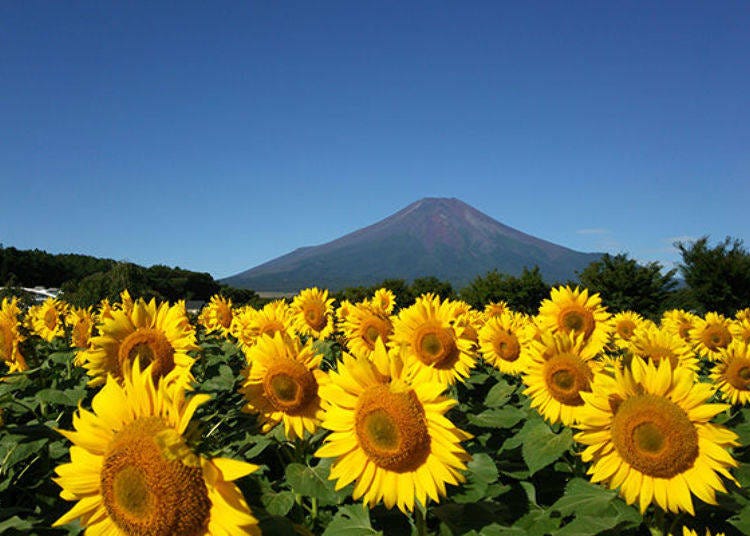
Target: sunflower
[
  {"x": 652, "y": 343},
  {"x": 363, "y": 326},
  {"x": 560, "y": 367},
  {"x": 710, "y": 335},
  {"x": 742, "y": 314},
  {"x": 692, "y": 532},
  {"x": 679, "y": 322},
  {"x": 159, "y": 334},
  {"x": 470, "y": 321},
  {"x": 47, "y": 319},
  {"x": 495, "y": 308},
  {"x": 133, "y": 472},
  {"x": 81, "y": 321},
  {"x": 389, "y": 437},
  {"x": 574, "y": 311},
  {"x": 217, "y": 315},
  {"x": 731, "y": 372},
  {"x": 249, "y": 323},
  {"x": 10, "y": 336},
  {"x": 624, "y": 323},
  {"x": 281, "y": 384},
  {"x": 384, "y": 300},
  {"x": 313, "y": 313},
  {"x": 435, "y": 346},
  {"x": 647, "y": 432},
  {"x": 504, "y": 341},
  {"x": 740, "y": 329}
]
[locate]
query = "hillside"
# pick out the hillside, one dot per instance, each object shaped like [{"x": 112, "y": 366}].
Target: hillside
[{"x": 441, "y": 237}]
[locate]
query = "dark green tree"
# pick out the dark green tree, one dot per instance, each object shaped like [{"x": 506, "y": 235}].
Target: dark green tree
[
  {"x": 423, "y": 285},
  {"x": 719, "y": 276},
  {"x": 625, "y": 285},
  {"x": 523, "y": 293}
]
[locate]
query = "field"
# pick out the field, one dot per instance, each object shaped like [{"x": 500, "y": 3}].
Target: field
[{"x": 314, "y": 417}]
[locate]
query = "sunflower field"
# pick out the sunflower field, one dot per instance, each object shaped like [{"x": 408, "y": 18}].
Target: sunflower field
[{"x": 308, "y": 416}]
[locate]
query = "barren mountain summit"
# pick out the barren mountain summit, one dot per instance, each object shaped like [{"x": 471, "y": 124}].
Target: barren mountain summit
[{"x": 442, "y": 237}]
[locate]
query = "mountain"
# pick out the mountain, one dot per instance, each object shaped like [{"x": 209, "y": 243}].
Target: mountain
[{"x": 438, "y": 237}]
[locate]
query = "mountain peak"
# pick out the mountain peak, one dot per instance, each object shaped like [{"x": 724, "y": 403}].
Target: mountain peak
[{"x": 438, "y": 236}]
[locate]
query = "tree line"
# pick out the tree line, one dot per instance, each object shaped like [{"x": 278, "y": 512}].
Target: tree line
[{"x": 713, "y": 279}]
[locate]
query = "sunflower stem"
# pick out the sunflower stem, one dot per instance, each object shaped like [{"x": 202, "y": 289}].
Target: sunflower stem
[
  {"x": 420, "y": 520},
  {"x": 314, "y": 508}
]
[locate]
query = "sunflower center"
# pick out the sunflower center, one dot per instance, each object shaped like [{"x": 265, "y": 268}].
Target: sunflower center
[
  {"x": 576, "y": 319},
  {"x": 625, "y": 329},
  {"x": 716, "y": 337},
  {"x": 391, "y": 429},
  {"x": 738, "y": 373},
  {"x": 315, "y": 318},
  {"x": 566, "y": 376},
  {"x": 150, "y": 346},
  {"x": 684, "y": 331},
  {"x": 146, "y": 489},
  {"x": 507, "y": 346},
  {"x": 270, "y": 328},
  {"x": 50, "y": 319},
  {"x": 224, "y": 316},
  {"x": 435, "y": 345},
  {"x": 290, "y": 386},
  {"x": 80, "y": 335},
  {"x": 373, "y": 329},
  {"x": 654, "y": 435},
  {"x": 6, "y": 341}
]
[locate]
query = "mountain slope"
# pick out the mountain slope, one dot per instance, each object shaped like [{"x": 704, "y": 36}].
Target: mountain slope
[{"x": 433, "y": 236}]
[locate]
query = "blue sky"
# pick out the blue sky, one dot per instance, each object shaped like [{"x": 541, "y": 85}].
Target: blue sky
[{"x": 217, "y": 136}]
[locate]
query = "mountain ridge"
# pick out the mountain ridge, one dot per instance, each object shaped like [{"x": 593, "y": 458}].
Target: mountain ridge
[{"x": 442, "y": 237}]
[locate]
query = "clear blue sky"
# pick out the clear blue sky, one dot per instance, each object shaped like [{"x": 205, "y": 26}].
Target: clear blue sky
[{"x": 216, "y": 136}]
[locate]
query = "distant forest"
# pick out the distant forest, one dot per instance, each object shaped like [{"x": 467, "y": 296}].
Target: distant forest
[
  {"x": 85, "y": 280},
  {"x": 715, "y": 279}
]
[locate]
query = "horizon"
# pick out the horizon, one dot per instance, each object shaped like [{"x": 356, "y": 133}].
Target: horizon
[{"x": 219, "y": 138}]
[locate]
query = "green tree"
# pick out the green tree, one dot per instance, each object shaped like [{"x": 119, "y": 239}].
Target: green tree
[
  {"x": 423, "y": 285},
  {"x": 626, "y": 285},
  {"x": 718, "y": 277},
  {"x": 523, "y": 293}
]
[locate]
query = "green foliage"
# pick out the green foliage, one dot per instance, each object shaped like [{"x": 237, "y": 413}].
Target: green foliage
[
  {"x": 718, "y": 277},
  {"x": 523, "y": 293},
  {"x": 625, "y": 285}
]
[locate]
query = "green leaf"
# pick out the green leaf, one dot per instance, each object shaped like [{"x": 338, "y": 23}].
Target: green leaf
[
  {"x": 742, "y": 520},
  {"x": 15, "y": 522},
  {"x": 352, "y": 520},
  {"x": 499, "y": 394},
  {"x": 278, "y": 504},
  {"x": 582, "y": 497},
  {"x": 224, "y": 381},
  {"x": 312, "y": 482},
  {"x": 482, "y": 471},
  {"x": 497, "y": 418},
  {"x": 66, "y": 398},
  {"x": 540, "y": 446}
]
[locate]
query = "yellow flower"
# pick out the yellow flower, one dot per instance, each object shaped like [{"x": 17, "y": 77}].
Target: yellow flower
[
  {"x": 81, "y": 320},
  {"x": 384, "y": 300},
  {"x": 691, "y": 532},
  {"x": 574, "y": 311},
  {"x": 389, "y": 437},
  {"x": 217, "y": 315},
  {"x": 625, "y": 324},
  {"x": 363, "y": 326},
  {"x": 679, "y": 322},
  {"x": 281, "y": 384},
  {"x": 560, "y": 368},
  {"x": 435, "y": 346},
  {"x": 656, "y": 344},
  {"x": 10, "y": 336},
  {"x": 647, "y": 432},
  {"x": 731, "y": 372},
  {"x": 47, "y": 319},
  {"x": 495, "y": 308},
  {"x": 740, "y": 329},
  {"x": 160, "y": 335},
  {"x": 133, "y": 472},
  {"x": 249, "y": 323},
  {"x": 313, "y": 313},
  {"x": 505, "y": 340},
  {"x": 710, "y": 335}
]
